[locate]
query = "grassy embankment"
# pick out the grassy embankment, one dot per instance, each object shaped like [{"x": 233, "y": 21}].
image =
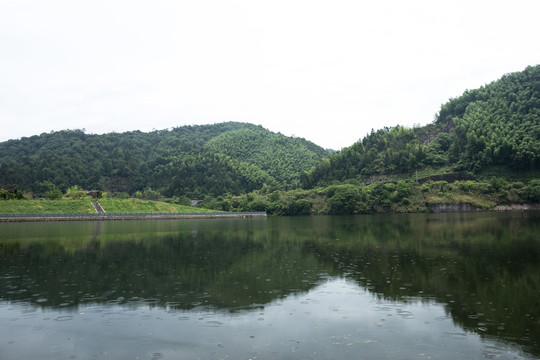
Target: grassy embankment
[{"x": 83, "y": 206}]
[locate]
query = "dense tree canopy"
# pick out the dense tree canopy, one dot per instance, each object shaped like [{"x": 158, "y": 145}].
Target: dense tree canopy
[
  {"x": 497, "y": 124},
  {"x": 281, "y": 157},
  {"x": 185, "y": 161}
]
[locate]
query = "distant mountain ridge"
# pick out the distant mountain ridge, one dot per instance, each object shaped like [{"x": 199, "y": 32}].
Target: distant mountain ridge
[{"x": 191, "y": 161}]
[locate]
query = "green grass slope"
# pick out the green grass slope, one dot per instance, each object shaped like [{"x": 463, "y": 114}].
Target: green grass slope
[{"x": 69, "y": 206}]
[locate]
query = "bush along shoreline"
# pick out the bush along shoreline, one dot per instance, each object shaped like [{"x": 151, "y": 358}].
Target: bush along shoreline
[{"x": 391, "y": 197}]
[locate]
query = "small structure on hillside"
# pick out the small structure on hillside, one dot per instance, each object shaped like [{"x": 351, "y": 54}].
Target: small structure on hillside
[
  {"x": 195, "y": 202},
  {"x": 96, "y": 194}
]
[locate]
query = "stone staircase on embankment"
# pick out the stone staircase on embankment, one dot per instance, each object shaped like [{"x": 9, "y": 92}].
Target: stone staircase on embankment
[{"x": 98, "y": 207}]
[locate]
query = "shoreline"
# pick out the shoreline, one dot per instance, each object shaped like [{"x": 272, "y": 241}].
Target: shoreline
[
  {"x": 465, "y": 207},
  {"x": 120, "y": 217},
  {"x": 435, "y": 208}
]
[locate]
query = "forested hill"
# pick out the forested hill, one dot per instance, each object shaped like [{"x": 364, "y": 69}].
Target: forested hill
[
  {"x": 494, "y": 127},
  {"x": 185, "y": 161}
]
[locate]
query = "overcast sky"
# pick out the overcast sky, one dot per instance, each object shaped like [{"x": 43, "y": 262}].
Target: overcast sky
[{"x": 327, "y": 71}]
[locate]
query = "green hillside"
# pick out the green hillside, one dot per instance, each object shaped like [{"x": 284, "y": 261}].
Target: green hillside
[
  {"x": 185, "y": 161},
  {"x": 483, "y": 149},
  {"x": 492, "y": 130},
  {"x": 281, "y": 157}
]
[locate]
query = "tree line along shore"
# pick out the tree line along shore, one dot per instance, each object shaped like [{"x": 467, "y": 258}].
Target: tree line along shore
[{"x": 340, "y": 199}]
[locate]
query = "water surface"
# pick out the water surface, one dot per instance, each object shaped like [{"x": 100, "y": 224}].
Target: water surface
[{"x": 435, "y": 286}]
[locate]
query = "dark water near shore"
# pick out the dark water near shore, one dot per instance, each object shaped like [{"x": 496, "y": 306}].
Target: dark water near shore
[{"x": 435, "y": 286}]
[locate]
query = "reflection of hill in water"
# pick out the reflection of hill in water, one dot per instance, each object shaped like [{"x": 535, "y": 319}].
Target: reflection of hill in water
[
  {"x": 221, "y": 268},
  {"x": 483, "y": 268}
]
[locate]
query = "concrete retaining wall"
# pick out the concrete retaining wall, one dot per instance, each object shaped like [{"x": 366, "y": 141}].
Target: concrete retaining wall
[
  {"x": 100, "y": 217},
  {"x": 444, "y": 208}
]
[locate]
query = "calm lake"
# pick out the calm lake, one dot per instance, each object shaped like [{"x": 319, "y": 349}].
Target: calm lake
[{"x": 422, "y": 286}]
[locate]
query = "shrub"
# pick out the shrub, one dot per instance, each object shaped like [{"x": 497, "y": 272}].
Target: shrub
[
  {"x": 226, "y": 205},
  {"x": 75, "y": 192},
  {"x": 298, "y": 207},
  {"x": 277, "y": 208},
  {"x": 274, "y": 196},
  {"x": 345, "y": 199},
  {"x": 402, "y": 190},
  {"x": 533, "y": 190},
  {"x": 259, "y": 205},
  {"x": 498, "y": 183},
  {"x": 10, "y": 195},
  {"x": 54, "y": 194}
]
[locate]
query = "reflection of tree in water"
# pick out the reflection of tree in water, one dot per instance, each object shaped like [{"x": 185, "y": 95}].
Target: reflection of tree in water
[
  {"x": 483, "y": 267},
  {"x": 97, "y": 230},
  {"x": 181, "y": 271}
]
